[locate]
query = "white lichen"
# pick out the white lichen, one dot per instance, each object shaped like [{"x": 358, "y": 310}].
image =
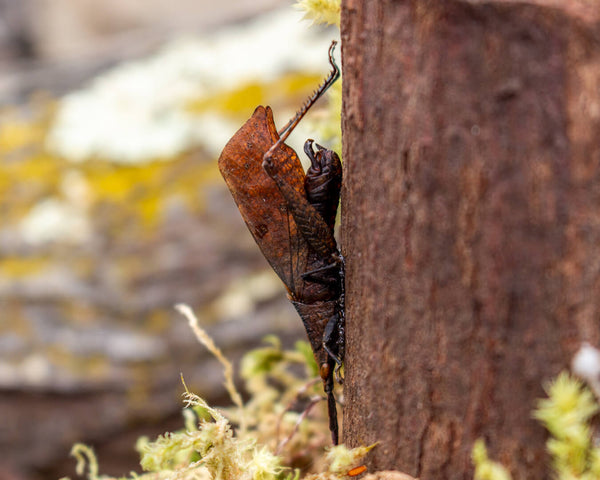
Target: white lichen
[{"x": 138, "y": 111}]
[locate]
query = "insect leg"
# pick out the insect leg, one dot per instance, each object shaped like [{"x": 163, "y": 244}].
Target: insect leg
[
  {"x": 326, "y": 275},
  {"x": 333, "y": 343},
  {"x": 328, "y": 82},
  {"x": 332, "y": 410},
  {"x": 310, "y": 153},
  {"x": 311, "y": 224},
  {"x": 323, "y": 181}
]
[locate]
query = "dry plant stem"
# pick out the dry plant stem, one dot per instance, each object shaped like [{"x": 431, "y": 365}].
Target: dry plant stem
[
  {"x": 313, "y": 401},
  {"x": 288, "y": 407},
  {"x": 205, "y": 340},
  {"x": 85, "y": 456}
]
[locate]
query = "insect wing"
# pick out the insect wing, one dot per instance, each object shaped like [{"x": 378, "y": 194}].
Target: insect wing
[{"x": 259, "y": 201}]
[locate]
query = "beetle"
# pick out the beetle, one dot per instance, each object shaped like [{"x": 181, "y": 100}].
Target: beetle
[{"x": 291, "y": 215}]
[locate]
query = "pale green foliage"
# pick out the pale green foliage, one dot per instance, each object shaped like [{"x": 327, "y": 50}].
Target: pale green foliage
[
  {"x": 273, "y": 388},
  {"x": 252, "y": 441},
  {"x": 321, "y": 11},
  {"x": 566, "y": 414},
  {"x": 486, "y": 469},
  {"x": 341, "y": 458},
  {"x": 85, "y": 457},
  {"x": 329, "y": 124},
  {"x": 221, "y": 453},
  {"x": 205, "y": 340}
]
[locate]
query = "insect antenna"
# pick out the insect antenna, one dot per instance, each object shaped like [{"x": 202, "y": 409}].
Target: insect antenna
[{"x": 327, "y": 82}]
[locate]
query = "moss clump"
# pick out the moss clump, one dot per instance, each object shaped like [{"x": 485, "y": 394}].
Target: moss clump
[
  {"x": 268, "y": 437},
  {"x": 486, "y": 469},
  {"x": 321, "y": 11},
  {"x": 566, "y": 414}
]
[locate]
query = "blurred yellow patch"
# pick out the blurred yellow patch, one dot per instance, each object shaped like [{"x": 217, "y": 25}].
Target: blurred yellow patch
[
  {"x": 16, "y": 267},
  {"x": 16, "y": 133},
  {"x": 248, "y": 96}
]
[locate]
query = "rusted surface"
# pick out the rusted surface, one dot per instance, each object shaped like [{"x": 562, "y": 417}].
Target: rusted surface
[{"x": 472, "y": 228}]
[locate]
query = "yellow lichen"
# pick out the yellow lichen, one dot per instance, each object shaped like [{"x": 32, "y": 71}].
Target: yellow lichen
[
  {"x": 245, "y": 97},
  {"x": 18, "y": 267}
]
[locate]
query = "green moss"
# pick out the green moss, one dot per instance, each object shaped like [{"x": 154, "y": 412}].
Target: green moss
[
  {"x": 566, "y": 414},
  {"x": 321, "y": 11},
  {"x": 256, "y": 440},
  {"x": 486, "y": 469}
]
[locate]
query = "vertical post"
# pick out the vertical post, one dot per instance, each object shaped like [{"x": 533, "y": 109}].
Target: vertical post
[{"x": 471, "y": 223}]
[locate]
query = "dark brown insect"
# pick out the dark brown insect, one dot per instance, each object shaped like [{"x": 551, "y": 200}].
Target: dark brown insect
[{"x": 291, "y": 215}]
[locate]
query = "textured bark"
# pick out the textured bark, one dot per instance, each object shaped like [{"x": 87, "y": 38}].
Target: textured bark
[{"x": 471, "y": 225}]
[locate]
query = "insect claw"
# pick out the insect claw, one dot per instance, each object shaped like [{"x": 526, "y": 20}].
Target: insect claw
[{"x": 310, "y": 153}]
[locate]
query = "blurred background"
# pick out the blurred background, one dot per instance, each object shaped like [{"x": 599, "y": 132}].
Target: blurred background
[{"x": 112, "y": 210}]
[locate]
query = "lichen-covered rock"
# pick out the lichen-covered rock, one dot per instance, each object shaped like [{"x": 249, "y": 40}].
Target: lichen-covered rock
[{"x": 94, "y": 253}]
